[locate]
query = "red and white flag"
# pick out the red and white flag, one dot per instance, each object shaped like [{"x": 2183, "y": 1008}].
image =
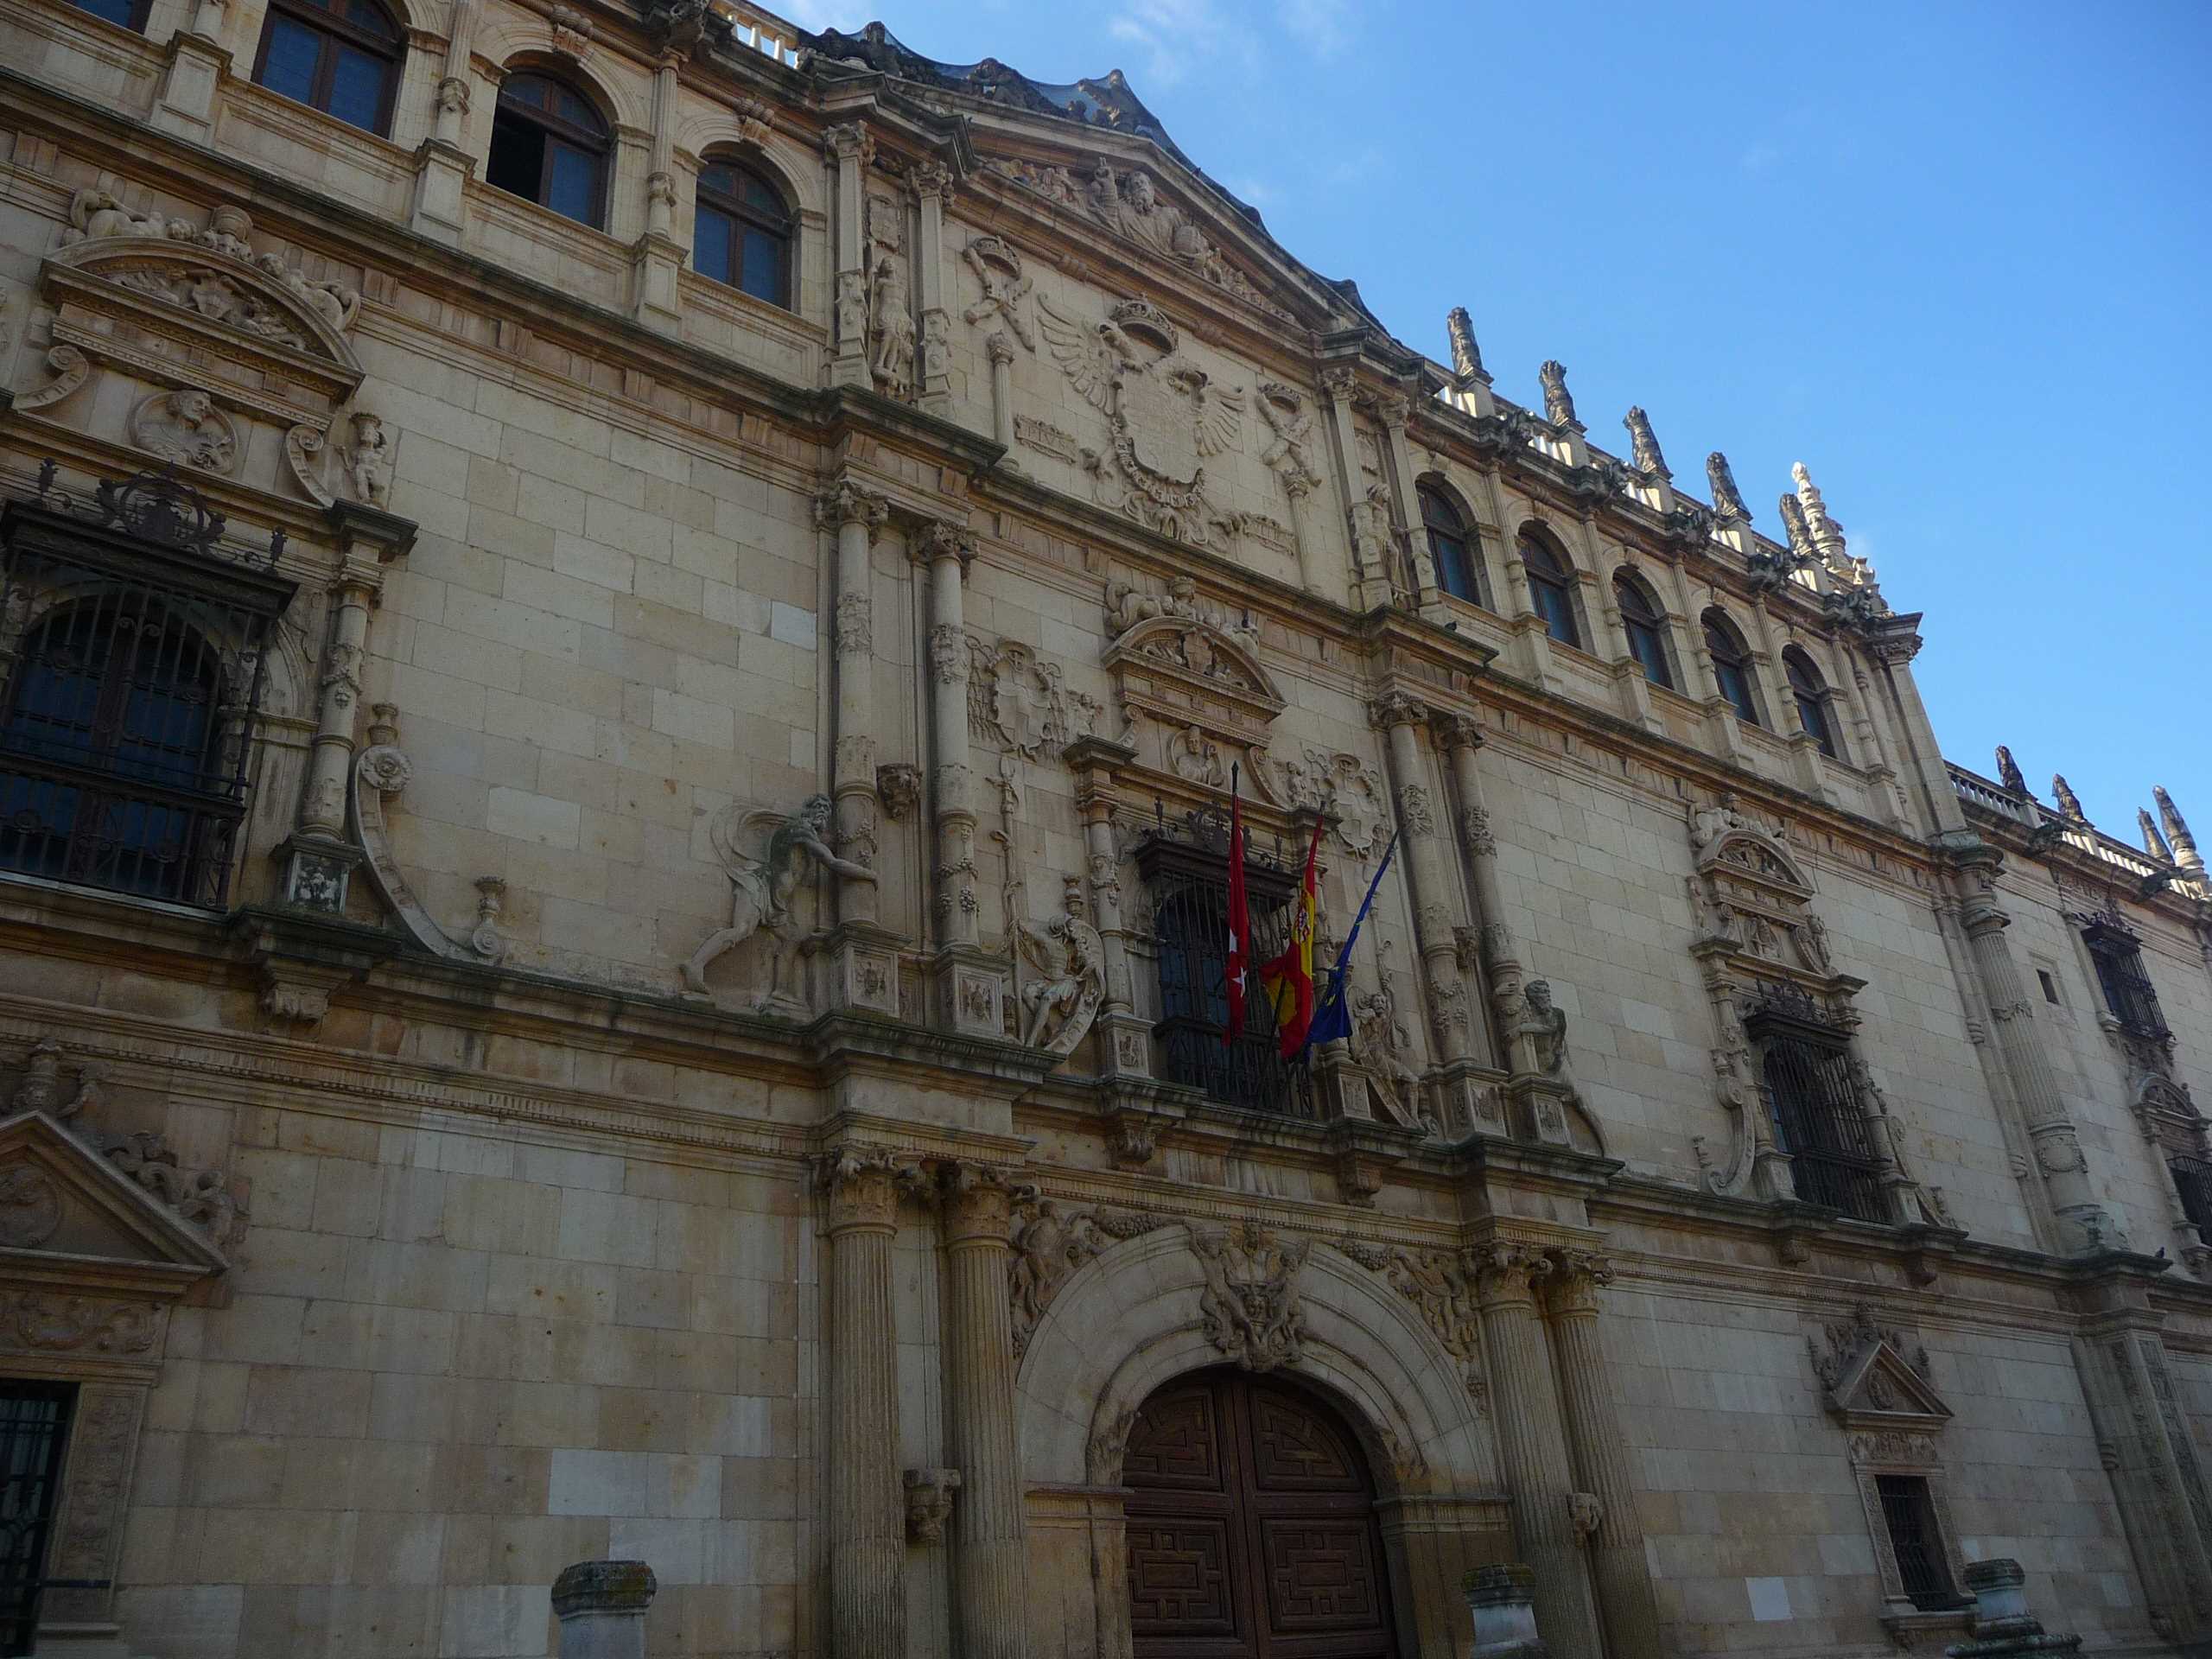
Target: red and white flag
[{"x": 1240, "y": 915}]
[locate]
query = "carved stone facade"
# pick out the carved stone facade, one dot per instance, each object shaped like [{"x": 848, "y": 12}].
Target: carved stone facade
[{"x": 695, "y": 1030}]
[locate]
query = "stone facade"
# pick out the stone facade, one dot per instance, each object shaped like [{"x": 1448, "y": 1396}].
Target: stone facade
[{"x": 664, "y": 1046}]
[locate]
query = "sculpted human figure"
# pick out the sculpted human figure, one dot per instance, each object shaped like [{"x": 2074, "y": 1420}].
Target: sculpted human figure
[
  {"x": 1072, "y": 958},
  {"x": 1545, "y": 1026},
  {"x": 1727, "y": 499},
  {"x": 368, "y": 461},
  {"x": 894, "y": 326},
  {"x": 761, "y": 889}
]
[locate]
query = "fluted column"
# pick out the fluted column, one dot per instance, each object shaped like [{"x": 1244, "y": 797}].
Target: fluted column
[
  {"x": 1618, "y": 1567},
  {"x": 854, "y": 514},
  {"x": 1401, "y": 716},
  {"x": 988, "y": 1618},
  {"x": 946, "y": 550},
  {"x": 1532, "y": 1442},
  {"x": 867, "y": 1522}
]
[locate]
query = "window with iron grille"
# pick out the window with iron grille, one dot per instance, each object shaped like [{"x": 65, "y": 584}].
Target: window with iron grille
[
  {"x": 34, "y": 1425},
  {"x": 1916, "y": 1540},
  {"x": 132, "y": 663},
  {"x": 1189, "y": 888},
  {"x": 1805, "y": 1076},
  {"x": 2127, "y": 985},
  {"x": 2193, "y": 1179}
]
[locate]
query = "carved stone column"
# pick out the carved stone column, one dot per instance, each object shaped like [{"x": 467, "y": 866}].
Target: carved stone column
[
  {"x": 931, "y": 184},
  {"x": 1618, "y": 1566},
  {"x": 1370, "y": 576},
  {"x": 319, "y": 856},
  {"x": 849, "y": 148},
  {"x": 197, "y": 62},
  {"x": 867, "y": 1509},
  {"x": 657, "y": 256},
  {"x": 1435, "y": 933},
  {"x": 1126, "y": 1042},
  {"x": 969, "y": 983},
  {"x": 442, "y": 163},
  {"x": 1489, "y": 952},
  {"x": 854, "y": 514},
  {"x": 999, "y": 349},
  {"x": 1531, "y": 1441},
  {"x": 1394, "y": 411},
  {"x": 1972, "y": 865},
  {"x": 988, "y": 1545}
]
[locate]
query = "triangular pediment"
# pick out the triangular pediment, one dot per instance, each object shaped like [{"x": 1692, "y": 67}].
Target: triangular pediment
[
  {"x": 1877, "y": 1389},
  {"x": 66, "y": 1211}
]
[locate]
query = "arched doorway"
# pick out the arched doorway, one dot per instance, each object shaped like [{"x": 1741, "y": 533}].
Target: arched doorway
[{"x": 1251, "y": 1526}]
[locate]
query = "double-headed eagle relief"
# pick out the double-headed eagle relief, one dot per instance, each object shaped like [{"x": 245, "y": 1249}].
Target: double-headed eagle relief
[{"x": 1166, "y": 416}]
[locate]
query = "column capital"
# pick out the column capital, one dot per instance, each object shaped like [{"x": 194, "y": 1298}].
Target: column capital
[
  {"x": 850, "y": 141},
  {"x": 999, "y": 347},
  {"x": 1396, "y": 707},
  {"x": 1577, "y": 1277},
  {"x": 847, "y": 503},
  {"x": 978, "y": 1201},
  {"x": 1508, "y": 1270},
  {"x": 929, "y": 180},
  {"x": 936, "y": 540},
  {"x": 1337, "y": 384},
  {"x": 1456, "y": 731},
  {"x": 864, "y": 1183}
]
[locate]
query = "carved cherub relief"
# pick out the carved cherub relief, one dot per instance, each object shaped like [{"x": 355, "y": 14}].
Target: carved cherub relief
[{"x": 761, "y": 889}]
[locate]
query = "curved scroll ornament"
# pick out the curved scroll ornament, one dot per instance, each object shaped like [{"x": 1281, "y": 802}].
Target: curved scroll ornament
[
  {"x": 383, "y": 769},
  {"x": 303, "y": 449},
  {"x": 72, "y": 368}
]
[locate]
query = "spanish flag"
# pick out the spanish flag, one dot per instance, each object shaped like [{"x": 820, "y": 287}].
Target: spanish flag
[{"x": 1289, "y": 977}]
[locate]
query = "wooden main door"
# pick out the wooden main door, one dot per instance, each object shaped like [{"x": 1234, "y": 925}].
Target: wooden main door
[{"x": 1251, "y": 1527}]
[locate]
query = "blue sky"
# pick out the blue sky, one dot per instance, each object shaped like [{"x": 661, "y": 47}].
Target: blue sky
[{"x": 1956, "y": 257}]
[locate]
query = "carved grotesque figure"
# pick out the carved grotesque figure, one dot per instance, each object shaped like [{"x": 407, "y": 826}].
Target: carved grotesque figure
[
  {"x": 1559, "y": 403},
  {"x": 368, "y": 459},
  {"x": 1727, "y": 499},
  {"x": 761, "y": 889}
]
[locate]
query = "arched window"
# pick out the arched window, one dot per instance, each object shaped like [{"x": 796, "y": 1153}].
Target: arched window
[
  {"x": 742, "y": 234},
  {"x": 125, "y": 14},
  {"x": 549, "y": 146},
  {"x": 1551, "y": 591},
  {"x": 1812, "y": 698},
  {"x": 1731, "y": 665},
  {"x": 340, "y": 57},
  {"x": 1452, "y": 545},
  {"x": 1645, "y": 627}
]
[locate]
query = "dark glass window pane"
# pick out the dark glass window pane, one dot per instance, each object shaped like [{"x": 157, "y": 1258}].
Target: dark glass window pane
[
  {"x": 517, "y": 161},
  {"x": 1557, "y": 609},
  {"x": 572, "y": 184},
  {"x": 1649, "y": 650},
  {"x": 357, "y": 88},
  {"x": 1814, "y": 719},
  {"x": 1736, "y": 686},
  {"x": 369, "y": 19},
  {"x": 121, "y": 13},
  {"x": 711, "y": 234},
  {"x": 761, "y": 197},
  {"x": 764, "y": 266},
  {"x": 289, "y": 66}
]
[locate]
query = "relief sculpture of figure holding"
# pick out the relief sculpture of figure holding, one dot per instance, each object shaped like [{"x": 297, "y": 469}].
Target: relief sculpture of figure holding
[{"x": 761, "y": 889}]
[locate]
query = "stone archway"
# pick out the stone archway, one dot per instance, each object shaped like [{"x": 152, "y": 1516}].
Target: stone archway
[
  {"x": 1251, "y": 1524},
  {"x": 1133, "y": 1319}
]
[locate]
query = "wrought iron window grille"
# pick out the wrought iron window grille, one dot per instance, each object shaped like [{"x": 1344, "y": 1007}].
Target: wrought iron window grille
[
  {"x": 2193, "y": 1179},
  {"x": 1813, "y": 1103},
  {"x": 133, "y": 661},
  {"x": 1185, "y": 871},
  {"x": 2116, "y": 950},
  {"x": 1916, "y": 1538},
  {"x": 34, "y": 1429}
]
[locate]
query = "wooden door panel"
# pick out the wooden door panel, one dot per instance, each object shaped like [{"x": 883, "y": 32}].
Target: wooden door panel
[
  {"x": 1251, "y": 1528},
  {"x": 1180, "y": 1578},
  {"x": 1321, "y": 1576}
]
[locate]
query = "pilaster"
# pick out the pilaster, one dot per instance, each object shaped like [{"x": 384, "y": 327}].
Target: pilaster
[
  {"x": 848, "y": 149},
  {"x": 1436, "y": 924}
]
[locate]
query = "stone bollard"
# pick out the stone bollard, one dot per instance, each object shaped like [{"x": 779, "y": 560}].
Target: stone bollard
[
  {"x": 1505, "y": 1619},
  {"x": 2001, "y": 1622},
  {"x": 601, "y": 1606}
]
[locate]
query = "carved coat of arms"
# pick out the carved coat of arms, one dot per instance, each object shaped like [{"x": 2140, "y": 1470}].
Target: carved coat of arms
[{"x": 1166, "y": 416}]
